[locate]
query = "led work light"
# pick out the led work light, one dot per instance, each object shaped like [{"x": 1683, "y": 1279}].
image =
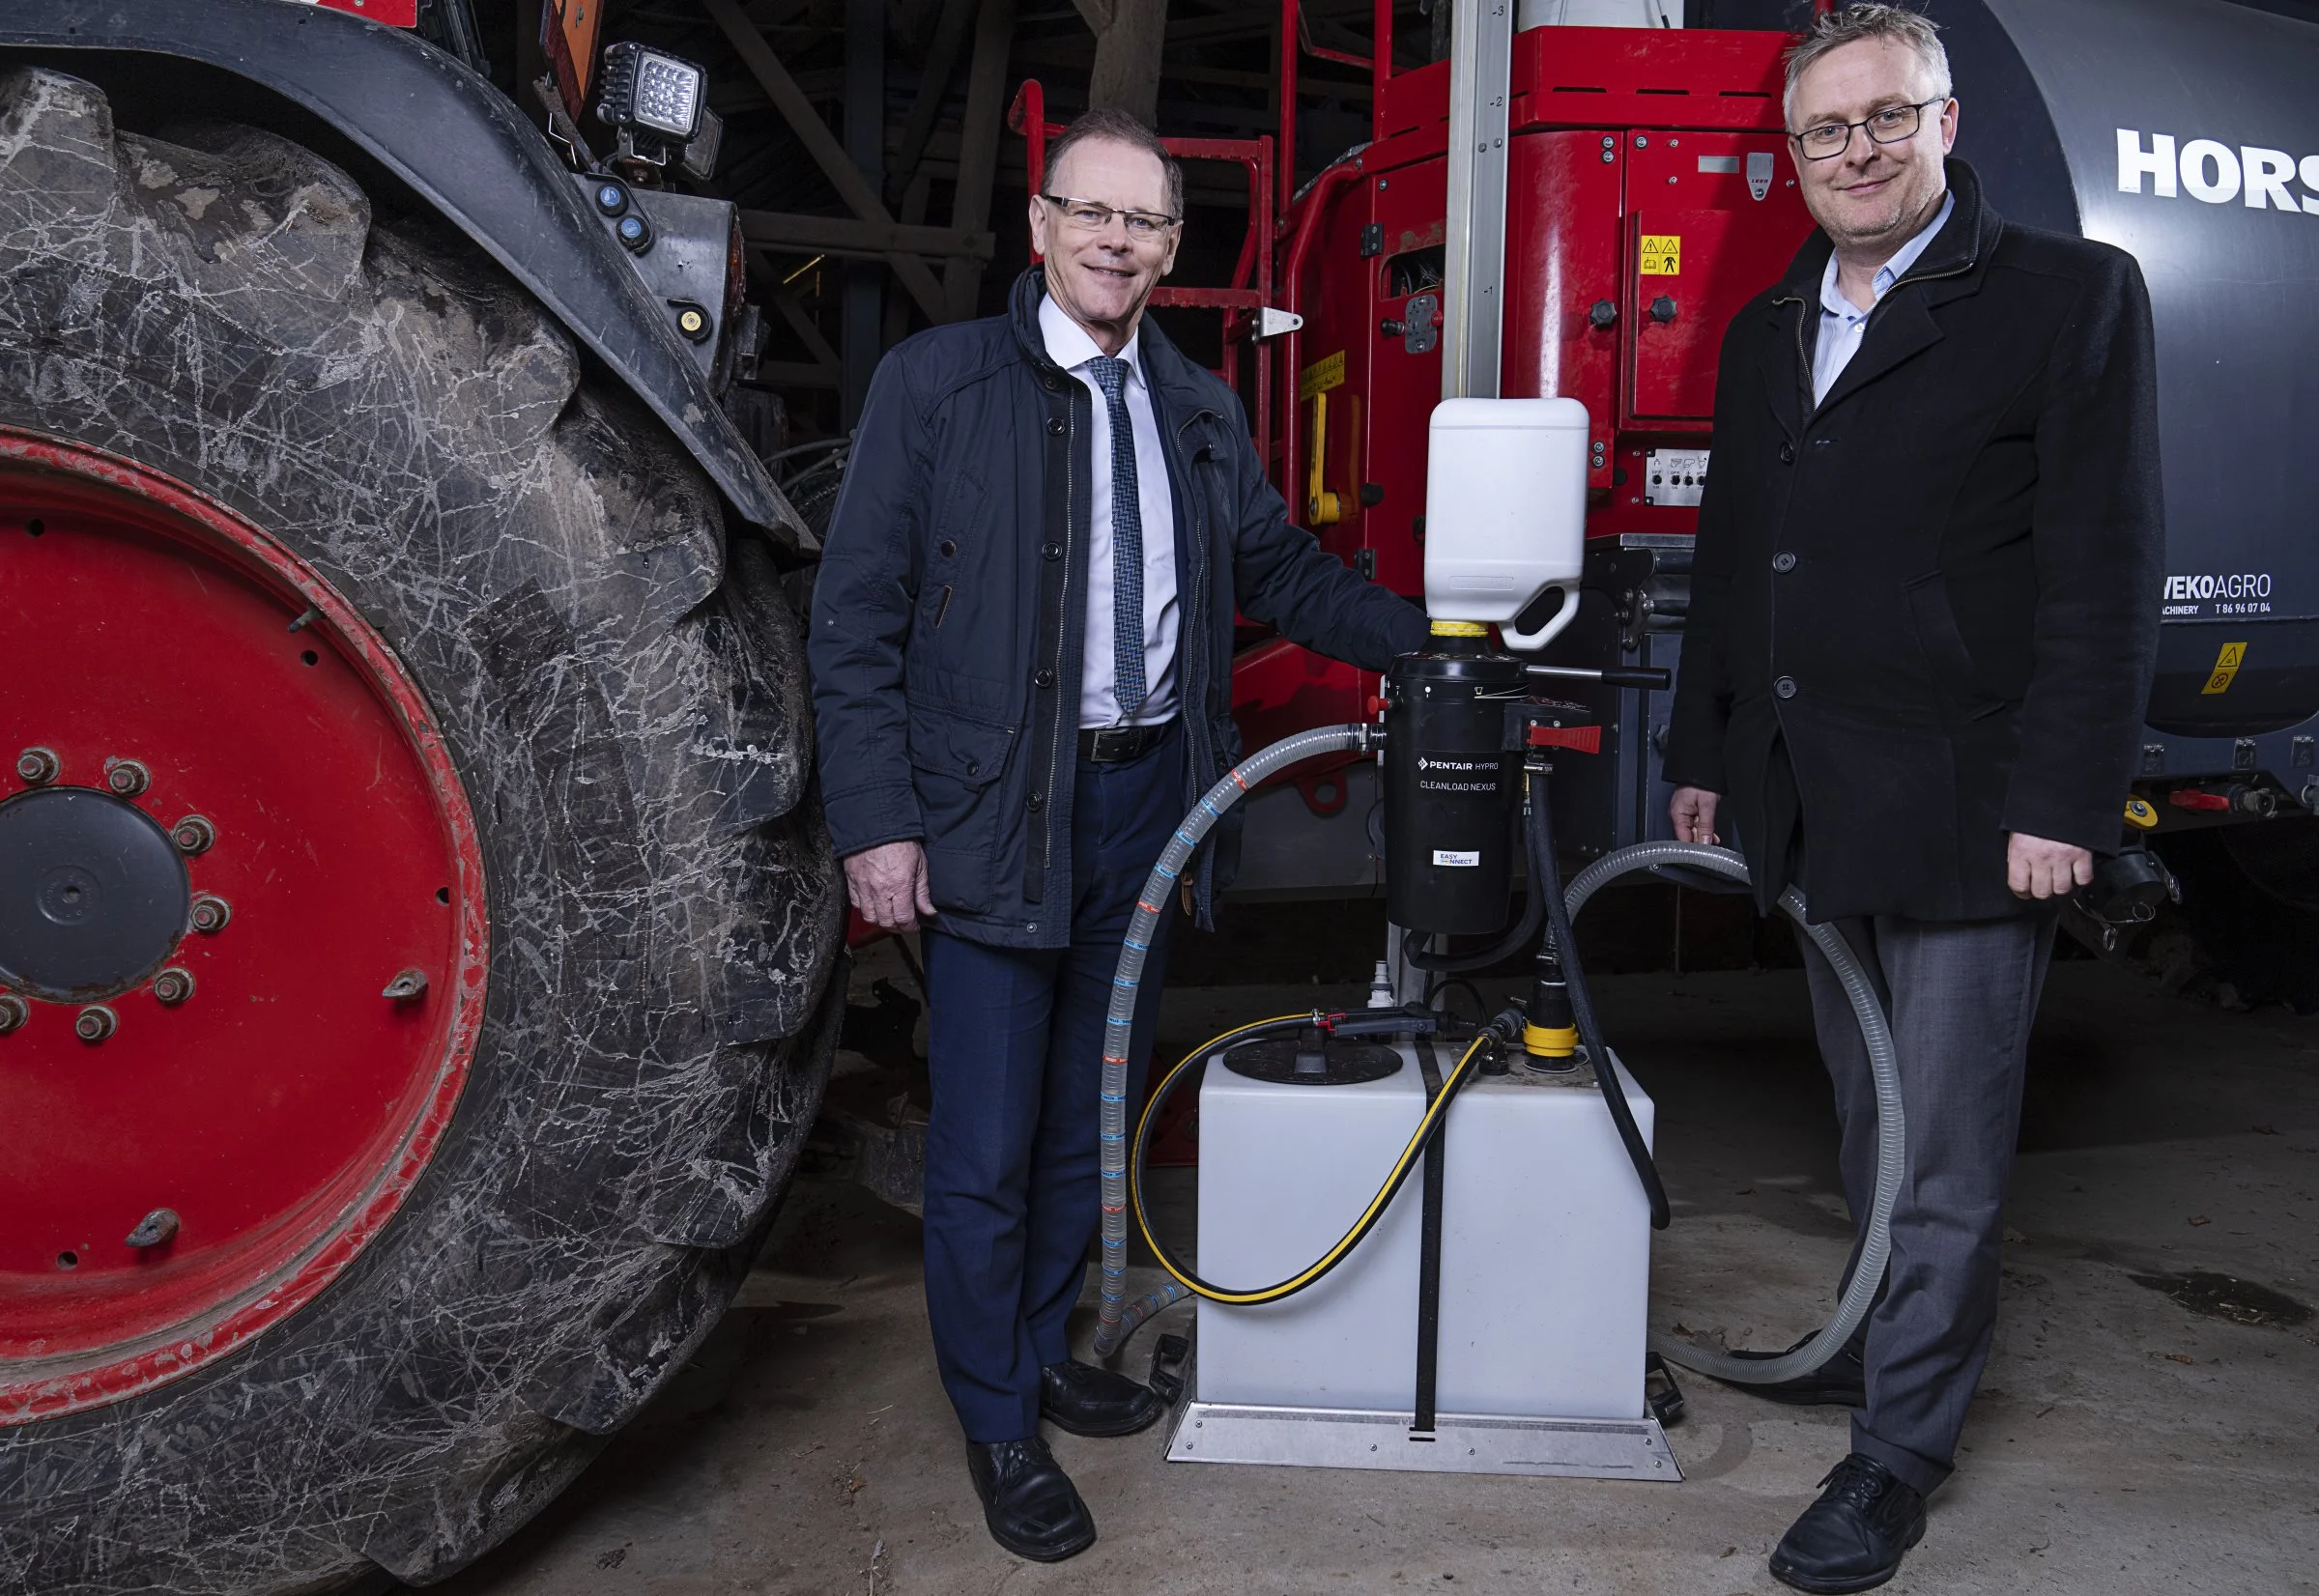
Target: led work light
[{"x": 659, "y": 102}]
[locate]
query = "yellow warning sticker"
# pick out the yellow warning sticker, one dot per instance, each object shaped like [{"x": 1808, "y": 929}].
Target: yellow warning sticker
[
  {"x": 1320, "y": 376},
  {"x": 2226, "y": 666},
  {"x": 1662, "y": 254}
]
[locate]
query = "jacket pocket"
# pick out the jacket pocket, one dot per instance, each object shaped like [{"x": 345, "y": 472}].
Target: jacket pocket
[
  {"x": 957, "y": 766},
  {"x": 1955, "y": 678}
]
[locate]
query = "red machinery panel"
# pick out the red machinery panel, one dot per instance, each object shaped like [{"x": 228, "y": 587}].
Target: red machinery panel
[
  {"x": 1562, "y": 275},
  {"x": 395, "y": 14},
  {"x": 1714, "y": 219},
  {"x": 1401, "y": 324}
]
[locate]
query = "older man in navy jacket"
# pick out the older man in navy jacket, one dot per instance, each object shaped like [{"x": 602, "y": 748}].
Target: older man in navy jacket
[{"x": 1023, "y": 660}]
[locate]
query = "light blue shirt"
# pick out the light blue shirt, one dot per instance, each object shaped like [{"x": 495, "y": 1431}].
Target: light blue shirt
[
  {"x": 1841, "y": 323},
  {"x": 1070, "y": 347}
]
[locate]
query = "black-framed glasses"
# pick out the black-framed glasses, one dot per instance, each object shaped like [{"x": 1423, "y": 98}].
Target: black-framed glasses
[
  {"x": 1893, "y": 124},
  {"x": 1094, "y": 216}
]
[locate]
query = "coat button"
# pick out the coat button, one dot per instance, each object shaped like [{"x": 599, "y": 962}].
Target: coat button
[
  {"x": 1035, "y": 802},
  {"x": 1783, "y": 561},
  {"x": 1055, "y": 425},
  {"x": 1785, "y": 687},
  {"x": 1045, "y": 679},
  {"x": 947, "y": 547},
  {"x": 1787, "y": 452},
  {"x": 1051, "y": 551},
  {"x": 971, "y": 767}
]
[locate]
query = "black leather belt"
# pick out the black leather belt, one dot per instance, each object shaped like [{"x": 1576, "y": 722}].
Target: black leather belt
[{"x": 1116, "y": 745}]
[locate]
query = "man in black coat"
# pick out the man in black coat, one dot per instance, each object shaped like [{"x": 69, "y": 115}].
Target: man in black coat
[
  {"x": 1922, "y": 631},
  {"x": 1022, "y": 650}
]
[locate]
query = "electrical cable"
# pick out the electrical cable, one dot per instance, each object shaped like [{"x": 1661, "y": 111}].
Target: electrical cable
[{"x": 1427, "y": 1127}]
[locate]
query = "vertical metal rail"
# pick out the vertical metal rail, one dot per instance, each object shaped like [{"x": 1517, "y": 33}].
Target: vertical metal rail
[
  {"x": 1481, "y": 48},
  {"x": 1482, "y": 52}
]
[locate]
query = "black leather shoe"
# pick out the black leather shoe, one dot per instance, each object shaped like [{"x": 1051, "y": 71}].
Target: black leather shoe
[
  {"x": 1842, "y": 1382},
  {"x": 1088, "y": 1401},
  {"x": 1030, "y": 1504},
  {"x": 1855, "y": 1536}
]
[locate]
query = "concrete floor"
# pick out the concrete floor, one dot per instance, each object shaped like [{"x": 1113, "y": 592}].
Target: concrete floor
[{"x": 2121, "y": 1442}]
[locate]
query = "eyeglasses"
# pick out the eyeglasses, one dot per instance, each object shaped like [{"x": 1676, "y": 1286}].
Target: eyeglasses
[
  {"x": 1094, "y": 216},
  {"x": 1893, "y": 124}
]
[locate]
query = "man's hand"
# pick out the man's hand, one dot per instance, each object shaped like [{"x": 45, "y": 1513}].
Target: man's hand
[
  {"x": 887, "y": 883},
  {"x": 1693, "y": 812},
  {"x": 2035, "y": 867}
]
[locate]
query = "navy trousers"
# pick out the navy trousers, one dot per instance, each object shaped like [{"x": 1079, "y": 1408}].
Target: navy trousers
[
  {"x": 1015, "y": 1050},
  {"x": 1960, "y": 996}
]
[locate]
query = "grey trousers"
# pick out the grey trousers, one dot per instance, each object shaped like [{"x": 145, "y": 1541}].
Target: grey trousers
[{"x": 1960, "y": 996}]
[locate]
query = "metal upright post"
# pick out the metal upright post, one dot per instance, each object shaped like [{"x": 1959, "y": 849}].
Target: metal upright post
[
  {"x": 1481, "y": 53},
  {"x": 1481, "y": 48}
]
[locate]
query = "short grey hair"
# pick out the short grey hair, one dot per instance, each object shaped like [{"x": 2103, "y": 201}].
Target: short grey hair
[
  {"x": 1851, "y": 25},
  {"x": 1121, "y": 127}
]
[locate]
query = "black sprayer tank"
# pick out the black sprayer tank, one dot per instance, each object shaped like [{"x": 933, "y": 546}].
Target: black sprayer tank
[
  {"x": 2187, "y": 132},
  {"x": 1452, "y": 795}
]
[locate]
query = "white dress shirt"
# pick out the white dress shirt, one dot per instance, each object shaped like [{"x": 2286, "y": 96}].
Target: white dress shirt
[
  {"x": 1843, "y": 324},
  {"x": 1070, "y": 347}
]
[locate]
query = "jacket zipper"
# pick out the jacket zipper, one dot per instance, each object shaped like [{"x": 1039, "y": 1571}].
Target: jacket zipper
[
  {"x": 1063, "y": 691},
  {"x": 1196, "y": 703}
]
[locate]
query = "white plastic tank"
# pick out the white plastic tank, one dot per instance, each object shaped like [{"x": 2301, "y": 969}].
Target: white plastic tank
[
  {"x": 1506, "y": 511},
  {"x": 1545, "y": 1246},
  {"x": 1599, "y": 14}
]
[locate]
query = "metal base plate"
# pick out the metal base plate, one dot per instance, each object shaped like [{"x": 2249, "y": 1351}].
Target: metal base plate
[{"x": 1461, "y": 1443}]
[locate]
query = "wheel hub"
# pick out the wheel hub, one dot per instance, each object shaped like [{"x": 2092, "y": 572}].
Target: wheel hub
[
  {"x": 93, "y": 895},
  {"x": 241, "y": 934}
]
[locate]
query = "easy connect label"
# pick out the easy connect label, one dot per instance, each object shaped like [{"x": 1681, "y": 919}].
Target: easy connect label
[{"x": 1662, "y": 254}]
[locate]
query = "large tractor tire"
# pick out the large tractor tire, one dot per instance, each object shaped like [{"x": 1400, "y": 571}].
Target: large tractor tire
[{"x": 417, "y": 929}]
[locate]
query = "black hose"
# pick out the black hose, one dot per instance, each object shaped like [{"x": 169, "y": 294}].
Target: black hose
[
  {"x": 1548, "y": 883},
  {"x": 1537, "y": 839}
]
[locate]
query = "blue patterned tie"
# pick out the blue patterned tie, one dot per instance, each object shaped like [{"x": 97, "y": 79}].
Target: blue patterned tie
[{"x": 1126, "y": 540}]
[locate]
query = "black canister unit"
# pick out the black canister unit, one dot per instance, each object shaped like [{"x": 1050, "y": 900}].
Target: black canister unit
[{"x": 1452, "y": 786}]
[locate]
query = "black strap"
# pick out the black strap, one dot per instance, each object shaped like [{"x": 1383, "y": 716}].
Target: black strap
[{"x": 1429, "y": 1253}]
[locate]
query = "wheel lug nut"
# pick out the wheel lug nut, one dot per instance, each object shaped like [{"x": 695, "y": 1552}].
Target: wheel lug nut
[
  {"x": 172, "y": 986},
  {"x": 36, "y": 766},
  {"x": 13, "y": 1013},
  {"x": 127, "y": 777},
  {"x": 211, "y": 913},
  {"x": 194, "y": 835},
  {"x": 94, "y": 1023},
  {"x": 154, "y": 1229}
]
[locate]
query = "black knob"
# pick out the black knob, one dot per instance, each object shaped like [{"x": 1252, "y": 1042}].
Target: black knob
[
  {"x": 1662, "y": 309},
  {"x": 1603, "y": 314},
  {"x": 1392, "y": 327}
]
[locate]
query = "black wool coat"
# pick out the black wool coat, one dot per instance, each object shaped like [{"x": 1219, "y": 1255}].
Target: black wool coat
[
  {"x": 952, "y": 597},
  {"x": 1924, "y": 612}
]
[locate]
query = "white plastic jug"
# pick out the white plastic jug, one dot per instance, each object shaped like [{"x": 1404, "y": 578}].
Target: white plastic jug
[{"x": 1506, "y": 511}]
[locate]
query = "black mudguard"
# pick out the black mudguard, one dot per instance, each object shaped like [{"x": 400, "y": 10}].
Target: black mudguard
[{"x": 465, "y": 149}]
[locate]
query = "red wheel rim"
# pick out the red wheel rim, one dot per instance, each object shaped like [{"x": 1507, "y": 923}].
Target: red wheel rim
[{"x": 265, "y": 1093}]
